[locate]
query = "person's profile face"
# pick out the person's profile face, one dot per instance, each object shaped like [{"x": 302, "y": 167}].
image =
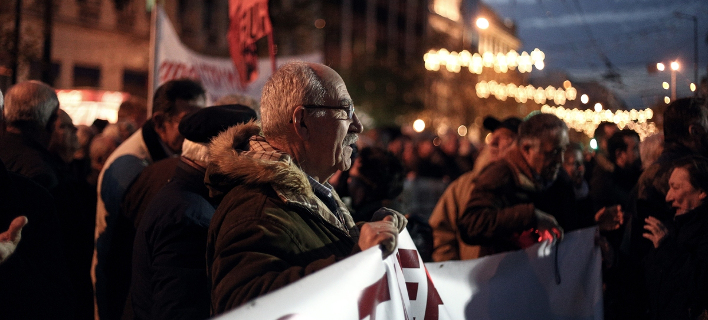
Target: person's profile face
[
  {"x": 334, "y": 133},
  {"x": 545, "y": 154},
  {"x": 575, "y": 167},
  {"x": 682, "y": 194}
]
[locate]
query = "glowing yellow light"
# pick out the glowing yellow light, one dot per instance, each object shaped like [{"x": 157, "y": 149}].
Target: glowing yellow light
[
  {"x": 674, "y": 65},
  {"x": 539, "y": 65},
  {"x": 667, "y": 100},
  {"x": 660, "y": 66},
  {"x": 482, "y": 23},
  {"x": 665, "y": 85},
  {"x": 462, "y": 130},
  {"x": 584, "y": 98},
  {"x": 693, "y": 87},
  {"x": 419, "y": 125},
  {"x": 566, "y": 84},
  {"x": 598, "y": 107}
]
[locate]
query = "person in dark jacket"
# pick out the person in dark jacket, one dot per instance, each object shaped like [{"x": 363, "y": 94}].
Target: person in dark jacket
[
  {"x": 158, "y": 139},
  {"x": 677, "y": 266},
  {"x": 33, "y": 281},
  {"x": 169, "y": 267},
  {"x": 280, "y": 220}
]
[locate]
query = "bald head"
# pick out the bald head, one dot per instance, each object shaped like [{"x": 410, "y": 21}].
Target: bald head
[
  {"x": 31, "y": 102},
  {"x": 294, "y": 84}
]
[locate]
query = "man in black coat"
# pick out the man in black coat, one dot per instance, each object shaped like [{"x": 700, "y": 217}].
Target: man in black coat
[{"x": 169, "y": 268}]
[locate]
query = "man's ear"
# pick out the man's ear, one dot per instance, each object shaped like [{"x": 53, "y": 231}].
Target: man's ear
[
  {"x": 298, "y": 123},
  {"x": 695, "y": 130},
  {"x": 158, "y": 119}
]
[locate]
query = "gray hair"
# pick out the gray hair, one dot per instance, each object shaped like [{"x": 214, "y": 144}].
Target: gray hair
[
  {"x": 294, "y": 84},
  {"x": 30, "y": 101}
]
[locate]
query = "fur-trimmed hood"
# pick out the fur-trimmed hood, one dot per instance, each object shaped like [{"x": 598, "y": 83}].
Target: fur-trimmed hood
[{"x": 238, "y": 158}]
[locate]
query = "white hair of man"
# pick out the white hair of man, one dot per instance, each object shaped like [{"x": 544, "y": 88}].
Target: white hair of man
[
  {"x": 294, "y": 84},
  {"x": 195, "y": 151},
  {"x": 30, "y": 101}
]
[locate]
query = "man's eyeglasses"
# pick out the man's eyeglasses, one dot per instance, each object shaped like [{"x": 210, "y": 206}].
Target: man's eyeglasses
[{"x": 349, "y": 109}]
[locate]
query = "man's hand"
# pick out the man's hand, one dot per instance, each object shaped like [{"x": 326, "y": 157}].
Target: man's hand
[
  {"x": 657, "y": 231},
  {"x": 10, "y": 238},
  {"x": 547, "y": 225},
  {"x": 399, "y": 220},
  {"x": 609, "y": 218},
  {"x": 383, "y": 233}
]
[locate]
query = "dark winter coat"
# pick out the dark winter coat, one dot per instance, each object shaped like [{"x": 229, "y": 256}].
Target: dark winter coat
[
  {"x": 33, "y": 281},
  {"x": 677, "y": 271},
  {"x": 501, "y": 206},
  {"x": 169, "y": 268},
  {"x": 270, "y": 230}
]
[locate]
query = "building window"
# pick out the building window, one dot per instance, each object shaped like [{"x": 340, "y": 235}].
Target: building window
[
  {"x": 85, "y": 76},
  {"x": 135, "y": 83},
  {"x": 36, "y": 72}
]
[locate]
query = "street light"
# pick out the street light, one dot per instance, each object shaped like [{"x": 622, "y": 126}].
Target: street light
[
  {"x": 674, "y": 67},
  {"x": 482, "y": 23},
  {"x": 686, "y": 16}
]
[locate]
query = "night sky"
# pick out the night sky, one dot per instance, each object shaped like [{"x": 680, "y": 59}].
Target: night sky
[{"x": 583, "y": 37}]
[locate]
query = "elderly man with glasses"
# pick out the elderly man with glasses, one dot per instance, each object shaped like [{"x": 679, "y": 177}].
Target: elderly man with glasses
[{"x": 280, "y": 220}]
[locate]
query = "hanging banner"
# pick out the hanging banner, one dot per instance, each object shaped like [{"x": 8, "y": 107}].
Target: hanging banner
[
  {"x": 514, "y": 285},
  {"x": 248, "y": 22},
  {"x": 173, "y": 60}
]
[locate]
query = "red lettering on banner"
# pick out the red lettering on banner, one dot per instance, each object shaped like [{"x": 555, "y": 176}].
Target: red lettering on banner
[
  {"x": 408, "y": 259},
  {"x": 372, "y": 296},
  {"x": 434, "y": 300}
]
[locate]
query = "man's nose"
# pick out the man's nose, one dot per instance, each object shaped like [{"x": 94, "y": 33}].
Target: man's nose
[{"x": 356, "y": 126}]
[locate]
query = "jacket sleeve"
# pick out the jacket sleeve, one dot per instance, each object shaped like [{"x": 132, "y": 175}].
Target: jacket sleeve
[
  {"x": 179, "y": 281},
  {"x": 442, "y": 221},
  {"x": 253, "y": 256},
  {"x": 491, "y": 215}
]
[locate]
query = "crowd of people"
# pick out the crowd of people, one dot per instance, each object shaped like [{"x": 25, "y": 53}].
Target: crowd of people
[{"x": 198, "y": 209}]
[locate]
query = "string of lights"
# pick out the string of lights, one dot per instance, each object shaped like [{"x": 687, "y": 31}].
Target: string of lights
[
  {"x": 522, "y": 93},
  {"x": 501, "y": 63}
]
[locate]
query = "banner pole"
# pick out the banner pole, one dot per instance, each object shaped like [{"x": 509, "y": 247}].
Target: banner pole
[{"x": 152, "y": 68}]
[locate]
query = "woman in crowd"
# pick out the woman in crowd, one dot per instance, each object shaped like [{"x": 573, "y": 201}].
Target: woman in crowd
[{"x": 677, "y": 266}]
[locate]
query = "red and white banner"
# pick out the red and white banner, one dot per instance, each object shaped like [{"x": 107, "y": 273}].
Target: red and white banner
[
  {"x": 173, "y": 60},
  {"x": 515, "y": 285}
]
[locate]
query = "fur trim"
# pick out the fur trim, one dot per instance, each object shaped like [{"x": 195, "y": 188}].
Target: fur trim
[{"x": 225, "y": 149}]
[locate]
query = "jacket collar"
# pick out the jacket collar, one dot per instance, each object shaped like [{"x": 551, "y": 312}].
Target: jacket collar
[
  {"x": 241, "y": 156},
  {"x": 524, "y": 176}
]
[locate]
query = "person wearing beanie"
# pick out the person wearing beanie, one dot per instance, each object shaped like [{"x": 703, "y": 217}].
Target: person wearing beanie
[{"x": 169, "y": 268}]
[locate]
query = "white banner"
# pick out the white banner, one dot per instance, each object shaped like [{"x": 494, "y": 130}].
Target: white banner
[
  {"x": 173, "y": 60},
  {"x": 514, "y": 285},
  {"x": 524, "y": 284}
]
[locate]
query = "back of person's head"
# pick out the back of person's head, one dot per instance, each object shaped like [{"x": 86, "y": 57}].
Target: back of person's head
[
  {"x": 381, "y": 171},
  {"x": 200, "y": 127},
  {"x": 377, "y": 175},
  {"x": 133, "y": 110},
  {"x": 697, "y": 167},
  {"x": 539, "y": 126},
  {"x": 604, "y": 130},
  {"x": 30, "y": 102},
  {"x": 169, "y": 92},
  {"x": 294, "y": 84},
  {"x": 680, "y": 115},
  {"x": 618, "y": 142},
  {"x": 650, "y": 149}
]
